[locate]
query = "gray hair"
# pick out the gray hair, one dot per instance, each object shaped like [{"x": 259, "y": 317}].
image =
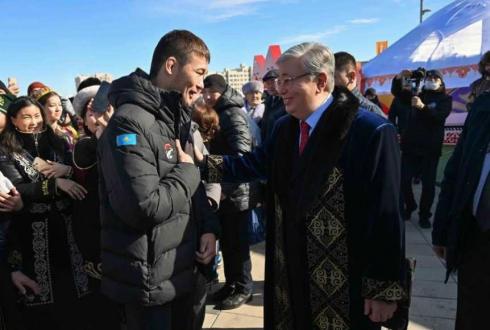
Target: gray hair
[{"x": 315, "y": 57}]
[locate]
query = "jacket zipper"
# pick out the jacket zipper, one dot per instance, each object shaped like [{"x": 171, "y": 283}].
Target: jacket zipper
[{"x": 36, "y": 143}]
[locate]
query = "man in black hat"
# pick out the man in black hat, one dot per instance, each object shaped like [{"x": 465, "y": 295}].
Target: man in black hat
[
  {"x": 234, "y": 138},
  {"x": 421, "y": 144},
  {"x": 274, "y": 106}
]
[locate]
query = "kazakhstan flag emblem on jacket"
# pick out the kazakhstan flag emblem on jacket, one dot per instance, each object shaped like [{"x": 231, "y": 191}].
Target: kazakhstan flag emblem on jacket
[{"x": 126, "y": 140}]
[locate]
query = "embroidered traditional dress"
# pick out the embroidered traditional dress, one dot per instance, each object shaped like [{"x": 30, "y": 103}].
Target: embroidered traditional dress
[
  {"x": 41, "y": 242},
  {"x": 334, "y": 234}
]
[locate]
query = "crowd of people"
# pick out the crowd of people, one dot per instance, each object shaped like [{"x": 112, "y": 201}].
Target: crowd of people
[{"x": 117, "y": 205}]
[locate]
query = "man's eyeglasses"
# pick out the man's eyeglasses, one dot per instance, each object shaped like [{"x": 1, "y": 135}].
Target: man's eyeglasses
[{"x": 286, "y": 81}]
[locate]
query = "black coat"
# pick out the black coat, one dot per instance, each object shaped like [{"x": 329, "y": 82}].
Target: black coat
[
  {"x": 234, "y": 138},
  {"x": 274, "y": 109},
  {"x": 86, "y": 212},
  {"x": 453, "y": 219},
  {"x": 424, "y": 133},
  {"x": 41, "y": 236},
  {"x": 149, "y": 235},
  {"x": 400, "y": 110}
]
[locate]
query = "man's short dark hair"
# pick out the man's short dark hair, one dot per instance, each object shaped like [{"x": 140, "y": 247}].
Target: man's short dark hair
[
  {"x": 179, "y": 44},
  {"x": 343, "y": 59},
  {"x": 485, "y": 59},
  {"x": 90, "y": 81}
]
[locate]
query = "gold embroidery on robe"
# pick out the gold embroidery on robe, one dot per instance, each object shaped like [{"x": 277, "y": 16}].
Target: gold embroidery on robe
[
  {"x": 382, "y": 290},
  {"x": 215, "y": 169},
  {"x": 327, "y": 257}
]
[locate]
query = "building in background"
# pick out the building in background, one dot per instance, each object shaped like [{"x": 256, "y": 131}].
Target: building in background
[
  {"x": 236, "y": 78},
  {"x": 102, "y": 76}
]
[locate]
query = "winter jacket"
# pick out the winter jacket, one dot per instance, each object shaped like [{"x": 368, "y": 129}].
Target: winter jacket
[
  {"x": 255, "y": 113},
  {"x": 234, "y": 138},
  {"x": 149, "y": 235},
  {"x": 424, "y": 133},
  {"x": 399, "y": 114},
  {"x": 365, "y": 104},
  {"x": 453, "y": 218},
  {"x": 274, "y": 109}
]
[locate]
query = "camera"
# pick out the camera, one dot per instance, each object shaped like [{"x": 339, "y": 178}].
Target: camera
[
  {"x": 408, "y": 80},
  {"x": 416, "y": 78}
]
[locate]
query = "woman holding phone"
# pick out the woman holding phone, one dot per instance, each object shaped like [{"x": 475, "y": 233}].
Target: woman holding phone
[{"x": 47, "y": 267}]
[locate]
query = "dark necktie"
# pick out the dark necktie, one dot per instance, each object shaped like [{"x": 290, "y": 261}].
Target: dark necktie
[
  {"x": 483, "y": 210},
  {"x": 304, "y": 129}
]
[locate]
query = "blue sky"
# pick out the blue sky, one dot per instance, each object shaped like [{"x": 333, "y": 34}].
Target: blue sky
[{"x": 54, "y": 40}]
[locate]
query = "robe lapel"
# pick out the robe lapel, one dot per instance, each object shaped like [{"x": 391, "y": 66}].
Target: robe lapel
[{"x": 323, "y": 150}]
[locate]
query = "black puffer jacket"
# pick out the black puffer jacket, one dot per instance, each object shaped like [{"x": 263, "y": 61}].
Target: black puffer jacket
[
  {"x": 148, "y": 237},
  {"x": 234, "y": 138},
  {"x": 424, "y": 133}
]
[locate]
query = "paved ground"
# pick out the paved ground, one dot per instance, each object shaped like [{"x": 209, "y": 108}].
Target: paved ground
[{"x": 433, "y": 305}]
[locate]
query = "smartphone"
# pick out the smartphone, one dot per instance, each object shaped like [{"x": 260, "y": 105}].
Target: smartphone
[
  {"x": 12, "y": 81},
  {"x": 101, "y": 99}
]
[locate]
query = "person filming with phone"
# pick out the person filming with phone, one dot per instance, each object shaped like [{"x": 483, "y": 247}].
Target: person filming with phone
[{"x": 421, "y": 143}]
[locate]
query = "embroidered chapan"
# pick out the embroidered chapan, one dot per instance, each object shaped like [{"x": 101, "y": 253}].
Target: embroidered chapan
[
  {"x": 327, "y": 257},
  {"x": 41, "y": 213},
  {"x": 325, "y": 252}
]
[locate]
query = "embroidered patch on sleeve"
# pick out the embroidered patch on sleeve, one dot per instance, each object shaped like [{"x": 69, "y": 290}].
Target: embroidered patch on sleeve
[{"x": 126, "y": 140}]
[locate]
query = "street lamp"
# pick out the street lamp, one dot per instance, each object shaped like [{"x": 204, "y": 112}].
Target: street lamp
[{"x": 422, "y": 10}]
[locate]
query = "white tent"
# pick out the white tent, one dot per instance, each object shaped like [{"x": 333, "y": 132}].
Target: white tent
[{"x": 451, "y": 40}]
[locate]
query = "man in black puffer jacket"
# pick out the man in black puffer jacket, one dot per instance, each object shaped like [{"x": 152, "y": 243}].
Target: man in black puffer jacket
[
  {"x": 234, "y": 138},
  {"x": 421, "y": 144},
  {"x": 149, "y": 190}
]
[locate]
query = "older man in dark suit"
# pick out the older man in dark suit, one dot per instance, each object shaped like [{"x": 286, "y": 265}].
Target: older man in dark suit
[{"x": 335, "y": 247}]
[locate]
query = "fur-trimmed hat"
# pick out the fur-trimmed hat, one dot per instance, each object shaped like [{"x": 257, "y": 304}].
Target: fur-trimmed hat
[
  {"x": 252, "y": 87},
  {"x": 83, "y": 97}
]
